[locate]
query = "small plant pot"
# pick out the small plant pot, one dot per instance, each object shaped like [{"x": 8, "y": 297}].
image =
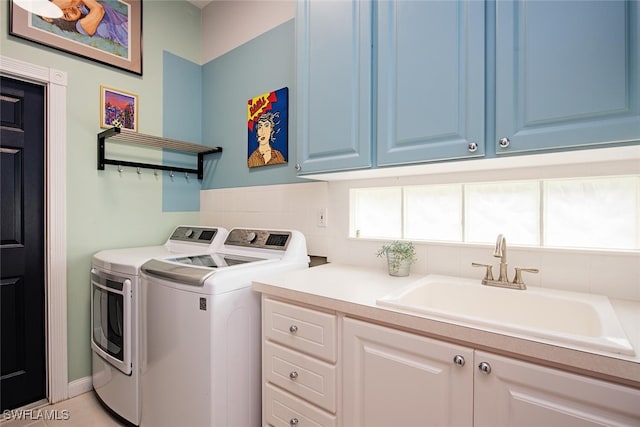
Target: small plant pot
[{"x": 398, "y": 267}]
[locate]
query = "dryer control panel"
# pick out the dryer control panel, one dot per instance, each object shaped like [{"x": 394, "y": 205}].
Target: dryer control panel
[
  {"x": 194, "y": 234},
  {"x": 257, "y": 238}
]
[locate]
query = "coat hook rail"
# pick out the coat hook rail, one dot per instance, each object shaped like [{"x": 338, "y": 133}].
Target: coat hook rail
[{"x": 116, "y": 134}]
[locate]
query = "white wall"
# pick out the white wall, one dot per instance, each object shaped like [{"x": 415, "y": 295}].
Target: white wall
[
  {"x": 228, "y": 24},
  {"x": 612, "y": 273},
  {"x": 615, "y": 274},
  {"x": 290, "y": 206}
]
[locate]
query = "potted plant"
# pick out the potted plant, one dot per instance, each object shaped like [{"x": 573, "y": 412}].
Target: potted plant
[{"x": 400, "y": 256}]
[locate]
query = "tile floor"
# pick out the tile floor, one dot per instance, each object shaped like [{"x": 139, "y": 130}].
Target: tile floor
[{"x": 81, "y": 411}]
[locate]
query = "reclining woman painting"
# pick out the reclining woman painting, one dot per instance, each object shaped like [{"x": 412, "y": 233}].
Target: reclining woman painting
[{"x": 101, "y": 24}]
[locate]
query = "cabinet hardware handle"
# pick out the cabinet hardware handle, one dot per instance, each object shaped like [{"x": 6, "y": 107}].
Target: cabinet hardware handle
[
  {"x": 293, "y": 375},
  {"x": 472, "y": 147},
  {"x": 458, "y": 360},
  {"x": 504, "y": 142},
  {"x": 293, "y": 421},
  {"x": 485, "y": 368},
  {"x": 293, "y": 329},
  {"x": 298, "y": 167}
]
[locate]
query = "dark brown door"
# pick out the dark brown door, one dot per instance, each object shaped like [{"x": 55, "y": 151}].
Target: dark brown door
[{"x": 22, "y": 282}]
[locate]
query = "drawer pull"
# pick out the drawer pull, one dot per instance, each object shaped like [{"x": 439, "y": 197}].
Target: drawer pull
[
  {"x": 293, "y": 421},
  {"x": 293, "y": 329},
  {"x": 293, "y": 375}
]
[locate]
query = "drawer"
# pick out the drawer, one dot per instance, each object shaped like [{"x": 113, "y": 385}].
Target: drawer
[
  {"x": 310, "y": 331},
  {"x": 282, "y": 410},
  {"x": 301, "y": 375}
]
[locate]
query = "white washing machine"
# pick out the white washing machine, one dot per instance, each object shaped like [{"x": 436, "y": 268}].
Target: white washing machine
[
  {"x": 115, "y": 315},
  {"x": 201, "y": 335}
]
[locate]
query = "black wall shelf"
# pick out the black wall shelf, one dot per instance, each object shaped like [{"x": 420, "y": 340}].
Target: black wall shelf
[{"x": 116, "y": 134}]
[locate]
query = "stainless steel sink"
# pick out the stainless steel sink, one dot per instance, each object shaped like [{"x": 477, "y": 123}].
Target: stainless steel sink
[{"x": 569, "y": 318}]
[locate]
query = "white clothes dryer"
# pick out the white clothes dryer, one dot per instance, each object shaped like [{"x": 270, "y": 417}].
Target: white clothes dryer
[
  {"x": 201, "y": 348},
  {"x": 115, "y": 319}
]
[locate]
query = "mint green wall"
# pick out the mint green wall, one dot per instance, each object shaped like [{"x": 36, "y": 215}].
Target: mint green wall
[{"x": 106, "y": 209}]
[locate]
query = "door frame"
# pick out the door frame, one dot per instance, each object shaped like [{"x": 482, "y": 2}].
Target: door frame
[{"x": 55, "y": 84}]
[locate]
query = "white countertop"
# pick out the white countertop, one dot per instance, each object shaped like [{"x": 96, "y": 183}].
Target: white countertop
[{"x": 354, "y": 290}]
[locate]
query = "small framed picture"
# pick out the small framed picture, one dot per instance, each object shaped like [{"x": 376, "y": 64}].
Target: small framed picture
[{"x": 118, "y": 109}]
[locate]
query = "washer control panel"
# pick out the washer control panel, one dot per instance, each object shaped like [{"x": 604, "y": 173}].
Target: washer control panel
[{"x": 194, "y": 234}]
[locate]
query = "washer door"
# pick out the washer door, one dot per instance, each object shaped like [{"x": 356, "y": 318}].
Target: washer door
[{"x": 111, "y": 319}]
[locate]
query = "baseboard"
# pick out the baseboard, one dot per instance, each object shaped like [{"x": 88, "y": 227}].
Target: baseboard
[{"x": 79, "y": 386}]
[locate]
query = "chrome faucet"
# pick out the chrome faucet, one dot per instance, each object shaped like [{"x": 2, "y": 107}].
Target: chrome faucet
[{"x": 500, "y": 251}]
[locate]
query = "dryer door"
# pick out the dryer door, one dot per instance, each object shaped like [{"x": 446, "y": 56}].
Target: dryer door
[{"x": 111, "y": 319}]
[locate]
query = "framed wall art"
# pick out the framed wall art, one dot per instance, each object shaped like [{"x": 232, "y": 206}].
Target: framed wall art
[
  {"x": 118, "y": 109},
  {"x": 106, "y": 31},
  {"x": 267, "y": 121}
]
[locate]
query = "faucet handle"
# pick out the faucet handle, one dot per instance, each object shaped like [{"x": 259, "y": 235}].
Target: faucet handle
[
  {"x": 518, "y": 277},
  {"x": 488, "y": 275}
]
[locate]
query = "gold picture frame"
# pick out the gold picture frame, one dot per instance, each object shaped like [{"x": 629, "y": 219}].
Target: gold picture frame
[{"x": 118, "y": 108}]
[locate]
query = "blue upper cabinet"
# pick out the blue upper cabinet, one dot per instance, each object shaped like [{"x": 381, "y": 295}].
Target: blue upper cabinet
[
  {"x": 333, "y": 48},
  {"x": 567, "y": 74},
  {"x": 430, "y": 80}
]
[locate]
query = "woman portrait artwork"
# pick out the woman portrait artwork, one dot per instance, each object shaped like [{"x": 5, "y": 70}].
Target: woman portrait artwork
[{"x": 267, "y": 124}]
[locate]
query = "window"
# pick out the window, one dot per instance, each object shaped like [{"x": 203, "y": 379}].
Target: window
[
  {"x": 592, "y": 213},
  {"x": 599, "y": 213},
  {"x": 376, "y": 212},
  {"x": 511, "y": 208},
  {"x": 433, "y": 212}
]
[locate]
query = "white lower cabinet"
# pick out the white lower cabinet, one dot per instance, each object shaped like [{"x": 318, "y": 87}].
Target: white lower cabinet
[
  {"x": 302, "y": 375},
  {"x": 517, "y": 393},
  {"x": 394, "y": 378},
  {"x": 299, "y": 365},
  {"x": 382, "y": 376},
  {"x": 283, "y": 409}
]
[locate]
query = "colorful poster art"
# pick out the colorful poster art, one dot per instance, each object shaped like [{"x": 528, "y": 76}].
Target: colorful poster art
[{"x": 267, "y": 122}]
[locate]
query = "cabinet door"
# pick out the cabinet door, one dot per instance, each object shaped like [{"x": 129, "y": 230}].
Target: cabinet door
[
  {"x": 517, "y": 393},
  {"x": 567, "y": 73},
  {"x": 430, "y": 83},
  {"x": 393, "y": 378},
  {"x": 333, "y": 48}
]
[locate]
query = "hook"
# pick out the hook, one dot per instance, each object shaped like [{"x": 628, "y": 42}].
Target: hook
[
  {"x": 155, "y": 172},
  {"x": 171, "y": 174},
  {"x": 186, "y": 176},
  {"x": 120, "y": 170},
  {"x": 139, "y": 171}
]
